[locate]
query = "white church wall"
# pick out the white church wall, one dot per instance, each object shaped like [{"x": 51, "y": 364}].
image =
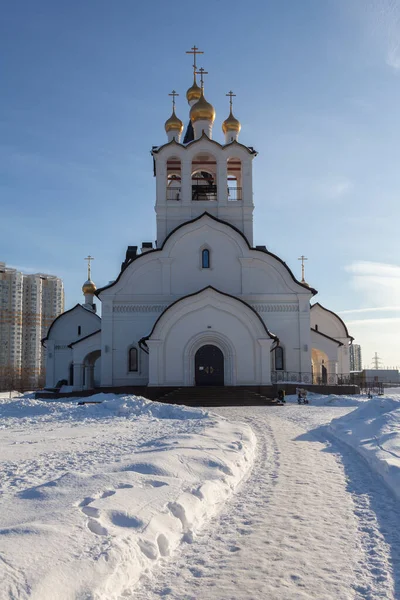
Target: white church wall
[
  {"x": 70, "y": 326},
  {"x": 331, "y": 325},
  {"x": 128, "y": 329},
  {"x": 209, "y": 318}
]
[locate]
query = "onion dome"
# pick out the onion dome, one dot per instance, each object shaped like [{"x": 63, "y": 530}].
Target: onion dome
[
  {"x": 231, "y": 124},
  {"x": 173, "y": 123},
  {"x": 193, "y": 92},
  {"x": 89, "y": 287},
  {"x": 202, "y": 110}
]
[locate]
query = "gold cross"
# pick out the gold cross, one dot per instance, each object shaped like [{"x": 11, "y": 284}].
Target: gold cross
[
  {"x": 194, "y": 51},
  {"x": 231, "y": 95},
  {"x": 89, "y": 259},
  {"x": 201, "y": 72},
  {"x": 302, "y": 258},
  {"x": 173, "y": 94}
]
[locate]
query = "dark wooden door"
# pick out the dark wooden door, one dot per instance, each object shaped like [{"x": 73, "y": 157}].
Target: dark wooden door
[{"x": 209, "y": 366}]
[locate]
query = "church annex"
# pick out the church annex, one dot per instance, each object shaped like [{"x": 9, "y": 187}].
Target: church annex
[{"x": 201, "y": 306}]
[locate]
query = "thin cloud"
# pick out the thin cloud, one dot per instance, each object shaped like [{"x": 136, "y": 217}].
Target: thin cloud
[
  {"x": 378, "y": 283},
  {"x": 334, "y": 188},
  {"x": 354, "y": 311},
  {"x": 374, "y": 321}
]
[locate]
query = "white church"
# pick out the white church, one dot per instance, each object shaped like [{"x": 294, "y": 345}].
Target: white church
[{"x": 202, "y": 306}]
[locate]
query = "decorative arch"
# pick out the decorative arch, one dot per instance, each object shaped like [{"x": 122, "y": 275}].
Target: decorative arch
[
  {"x": 204, "y": 177},
  {"x": 174, "y": 177},
  {"x": 216, "y": 339},
  {"x": 209, "y": 317},
  {"x": 234, "y": 178}
]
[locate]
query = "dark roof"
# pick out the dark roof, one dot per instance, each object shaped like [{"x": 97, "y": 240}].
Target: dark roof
[
  {"x": 189, "y": 135},
  {"x": 84, "y": 338},
  {"x": 65, "y": 313},
  {"x": 156, "y": 149},
  {"x": 335, "y": 315},
  {"x": 326, "y": 336},
  {"x": 262, "y": 250},
  {"x": 211, "y": 287}
]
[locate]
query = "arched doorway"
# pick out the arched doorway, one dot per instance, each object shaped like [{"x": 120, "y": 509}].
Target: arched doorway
[{"x": 209, "y": 366}]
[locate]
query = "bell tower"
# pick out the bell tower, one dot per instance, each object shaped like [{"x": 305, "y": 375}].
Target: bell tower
[{"x": 201, "y": 174}]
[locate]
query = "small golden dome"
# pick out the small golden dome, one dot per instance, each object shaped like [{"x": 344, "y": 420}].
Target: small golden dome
[
  {"x": 231, "y": 124},
  {"x": 88, "y": 287},
  {"x": 173, "y": 123},
  {"x": 202, "y": 110},
  {"x": 193, "y": 92}
]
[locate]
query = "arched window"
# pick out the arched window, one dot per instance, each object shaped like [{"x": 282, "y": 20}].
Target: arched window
[
  {"x": 205, "y": 259},
  {"x": 133, "y": 359},
  {"x": 279, "y": 359}
]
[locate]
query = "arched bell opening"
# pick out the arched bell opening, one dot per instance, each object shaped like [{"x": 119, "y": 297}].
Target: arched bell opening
[
  {"x": 234, "y": 179},
  {"x": 174, "y": 168},
  {"x": 204, "y": 177}
]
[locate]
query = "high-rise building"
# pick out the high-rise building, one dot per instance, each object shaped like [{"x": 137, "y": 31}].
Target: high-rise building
[
  {"x": 28, "y": 305},
  {"x": 355, "y": 358}
]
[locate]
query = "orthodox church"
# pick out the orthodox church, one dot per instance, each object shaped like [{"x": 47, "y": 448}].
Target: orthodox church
[{"x": 202, "y": 305}]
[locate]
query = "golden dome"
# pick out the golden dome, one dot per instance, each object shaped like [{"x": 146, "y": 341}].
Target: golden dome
[
  {"x": 231, "y": 124},
  {"x": 88, "y": 287},
  {"x": 202, "y": 110},
  {"x": 173, "y": 123},
  {"x": 193, "y": 92}
]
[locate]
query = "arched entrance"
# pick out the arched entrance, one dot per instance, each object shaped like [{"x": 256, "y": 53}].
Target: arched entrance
[{"x": 209, "y": 366}]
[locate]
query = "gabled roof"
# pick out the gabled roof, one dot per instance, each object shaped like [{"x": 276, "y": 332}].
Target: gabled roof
[
  {"x": 157, "y": 149},
  {"x": 204, "y": 214},
  {"x": 210, "y": 287},
  {"x": 335, "y": 315},
  {"x": 84, "y": 338},
  {"x": 63, "y": 315},
  {"x": 326, "y": 336}
]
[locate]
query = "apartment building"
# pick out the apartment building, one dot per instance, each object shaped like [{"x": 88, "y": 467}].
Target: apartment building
[
  {"x": 28, "y": 306},
  {"x": 355, "y": 358}
]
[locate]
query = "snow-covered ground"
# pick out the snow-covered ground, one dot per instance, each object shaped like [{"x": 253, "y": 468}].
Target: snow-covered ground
[{"x": 94, "y": 495}]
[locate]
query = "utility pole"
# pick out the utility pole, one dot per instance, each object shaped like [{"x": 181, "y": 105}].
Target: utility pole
[{"x": 376, "y": 361}]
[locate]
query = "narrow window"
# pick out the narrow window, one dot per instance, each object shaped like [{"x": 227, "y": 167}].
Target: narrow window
[
  {"x": 205, "y": 259},
  {"x": 316, "y": 328},
  {"x": 79, "y": 330},
  {"x": 133, "y": 359},
  {"x": 279, "y": 358}
]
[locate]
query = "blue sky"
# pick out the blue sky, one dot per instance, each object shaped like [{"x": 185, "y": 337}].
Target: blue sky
[{"x": 85, "y": 96}]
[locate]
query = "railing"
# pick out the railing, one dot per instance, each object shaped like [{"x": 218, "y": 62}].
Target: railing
[
  {"x": 234, "y": 193},
  {"x": 204, "y": 192},
  {"x": 173, "y": 193},
  {"x": 310, "y": 378}
]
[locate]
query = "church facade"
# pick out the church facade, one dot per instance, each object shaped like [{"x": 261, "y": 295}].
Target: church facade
[{"x": 201, "y": 306}]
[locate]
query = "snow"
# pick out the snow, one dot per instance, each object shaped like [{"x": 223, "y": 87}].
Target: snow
[
  {"x": 312, "y": 521},
  {"x": 373, "y": 430},
  {"x": 94, "y": 495},
  {"x": 129, "y": 499}
]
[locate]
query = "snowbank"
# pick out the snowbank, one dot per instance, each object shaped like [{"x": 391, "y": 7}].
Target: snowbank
[
  {"x": 373, "y": 430},
  {"x": 329, "y": 399},
  {"x": 95, "y": 494}
]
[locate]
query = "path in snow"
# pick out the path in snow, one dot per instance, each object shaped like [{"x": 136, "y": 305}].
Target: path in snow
[{"x": 310, "y": 522}]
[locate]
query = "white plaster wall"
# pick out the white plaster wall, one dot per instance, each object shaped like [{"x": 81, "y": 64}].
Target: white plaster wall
[
  {"x": 128, "y": 329},
  {"x": 63, "y": 332},
  {"x": 157, "y": 279},
  {"x": 331, "y": 325},
  {"x": 171, "y": 213}
]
